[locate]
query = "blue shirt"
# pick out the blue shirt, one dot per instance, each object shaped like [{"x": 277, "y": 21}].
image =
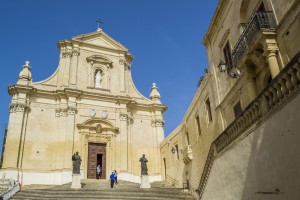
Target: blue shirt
[{"x": 112, "y": 177}]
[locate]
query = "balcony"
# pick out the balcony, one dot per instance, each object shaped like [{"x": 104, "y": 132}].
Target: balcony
[
  {"x": 281, "y": 90},
  {"x": 187, "y": 154},
  {"x": 259, "y": 21}
]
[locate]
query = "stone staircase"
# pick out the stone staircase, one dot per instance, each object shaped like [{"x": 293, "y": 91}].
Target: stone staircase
[{"x": 100, "y": 189}]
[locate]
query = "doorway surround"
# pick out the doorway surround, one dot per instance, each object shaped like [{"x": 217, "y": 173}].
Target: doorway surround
[{"x": 101, "y": 131}]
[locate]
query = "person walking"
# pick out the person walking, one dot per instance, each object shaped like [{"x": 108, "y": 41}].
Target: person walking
[
  {"x": 116, "y": 177},
  {"x": 112, "y": 179},
  {"x": 98, "y": 172}
]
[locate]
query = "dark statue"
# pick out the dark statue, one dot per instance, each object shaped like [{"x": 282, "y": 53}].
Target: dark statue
[
  {"x": 144, "y": 168},
  {"x": 76, "y": 163}
]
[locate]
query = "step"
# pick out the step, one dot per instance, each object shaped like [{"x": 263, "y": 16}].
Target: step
[
  {"x": 102, "y": 192},
  {"x": 100, "y": 189},
  {"x": 112, "y": 191}
]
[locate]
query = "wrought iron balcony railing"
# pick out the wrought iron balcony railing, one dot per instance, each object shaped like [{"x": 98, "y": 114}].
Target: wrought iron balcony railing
[
  {"x": 258, "y": 21},
  {"x": 280, "y": 90}
]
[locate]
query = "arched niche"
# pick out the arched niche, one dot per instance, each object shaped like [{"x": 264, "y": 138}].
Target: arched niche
[
  {"x": 101, "y": 64},
  {"x": 248, "y": 7}
]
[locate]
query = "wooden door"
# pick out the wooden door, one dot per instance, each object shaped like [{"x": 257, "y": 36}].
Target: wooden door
[{"x": 96, "y": 155}]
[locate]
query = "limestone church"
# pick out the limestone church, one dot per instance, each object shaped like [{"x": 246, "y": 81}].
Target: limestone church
[{"x": 89, "y": 105}]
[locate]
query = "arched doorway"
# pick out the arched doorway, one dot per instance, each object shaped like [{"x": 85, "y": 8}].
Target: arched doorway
[{"x": 98, "y": 144}]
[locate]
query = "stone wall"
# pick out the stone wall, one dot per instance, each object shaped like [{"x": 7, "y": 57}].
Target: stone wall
[{"x": 261, "y": 164}]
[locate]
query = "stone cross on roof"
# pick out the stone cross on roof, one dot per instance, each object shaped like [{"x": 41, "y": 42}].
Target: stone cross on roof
[{"x": 99, "y": 22}]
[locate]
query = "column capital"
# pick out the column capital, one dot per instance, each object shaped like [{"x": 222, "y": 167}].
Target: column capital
[
  {"x": 123, "y": 116},
  {"x": 158, "y": 123},
  {"x": 19, "y": 107},
  {"x": 75, "y": 53},
  {"x": 66, "y": 54},
  {"x": 64, "y": 112}
]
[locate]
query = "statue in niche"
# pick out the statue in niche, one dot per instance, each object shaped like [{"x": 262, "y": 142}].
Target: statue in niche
[
  {"x": 76, "y": 163},
  {"x": 98, "y": 79},
  {"x": 144, "y": 169}
]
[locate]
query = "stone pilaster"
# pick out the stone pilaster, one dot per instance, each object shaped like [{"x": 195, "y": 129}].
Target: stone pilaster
[
  {"x": 69, "y": 137},
  {"x": 73, "y": 70},
  {"x": 130, "y": 142},
  {"x": 251, "y": 85},
  {"x": 63, "y": 76},
  {"x": 122, "y": 75},
  {"x": 123, "y": 142},
  {"x": 16, "y": 137},
  {"x": 158, "y": 136}
]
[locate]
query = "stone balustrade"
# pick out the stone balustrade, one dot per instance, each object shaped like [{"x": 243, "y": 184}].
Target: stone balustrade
[
  {"x": 283, "y": 87},
  {"x": 187, "y": 154}
]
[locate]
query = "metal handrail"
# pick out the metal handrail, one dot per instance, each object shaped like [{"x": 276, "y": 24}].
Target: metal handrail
[{"x": 12, "y": 188}]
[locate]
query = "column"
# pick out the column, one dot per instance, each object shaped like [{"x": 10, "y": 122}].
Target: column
[
  {"x": 271, "y": 50},
  {"x": 123, "y": 143},
  {"x": 158, "y": 138},
  {"x": 273, "y": 63},
  {"x": 251, "y": 85},
  {"x": 73, "y": 69},
  {"x": 66, "y": 71},
  {"x": 15, "y": 135},
  {"x": 69, "y": 135},
  {"x": 129, "y": 153},
  {"x": 122, "y": 75}
]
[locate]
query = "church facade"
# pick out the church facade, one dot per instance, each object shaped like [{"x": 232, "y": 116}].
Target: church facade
[{"x": 89, "y": 105}]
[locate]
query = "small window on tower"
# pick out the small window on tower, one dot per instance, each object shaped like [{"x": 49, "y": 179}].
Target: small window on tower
[
  {"x": 198, "y": 124},
  {"x": 176, "y": 147},
  {"x": 207, "y": 102},
  {"x": 237, "y": 108}
]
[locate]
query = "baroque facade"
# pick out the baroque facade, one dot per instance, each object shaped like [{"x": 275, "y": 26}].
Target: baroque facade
[
  {"x": 238, "y": 138},
  {"x": 89, "y": 105}
]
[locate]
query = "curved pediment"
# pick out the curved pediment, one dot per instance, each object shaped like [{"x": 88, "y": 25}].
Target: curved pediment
[
  {"x": 99, "y": 59},
  {"x": 97, "y": 125}
]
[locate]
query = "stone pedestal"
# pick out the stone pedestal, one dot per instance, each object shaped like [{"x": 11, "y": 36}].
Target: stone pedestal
[
  {"x": 76, "y": 181},
  {"x": 145, "y": 182}
]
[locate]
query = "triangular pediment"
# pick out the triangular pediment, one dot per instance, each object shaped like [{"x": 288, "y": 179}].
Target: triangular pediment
[{"x": 99, "y": 38}]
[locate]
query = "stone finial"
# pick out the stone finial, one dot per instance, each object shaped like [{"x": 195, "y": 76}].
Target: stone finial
[
  {"x": 154, "y": 95},
  {"x": 25, "y": 75}
]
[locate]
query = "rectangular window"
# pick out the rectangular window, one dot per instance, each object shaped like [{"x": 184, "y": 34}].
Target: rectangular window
[
  {"x": 176, "y": 147},
  {"x": 187, "y": 138},
  {"x": 198, "y": 124},
  {"x": 227, "y": 55},
  {"x": 207, "y": 102},
  {"x": 237, "y": 108}
]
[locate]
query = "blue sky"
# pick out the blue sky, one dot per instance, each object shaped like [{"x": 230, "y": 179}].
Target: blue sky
[{"x": 163, "y": 35}]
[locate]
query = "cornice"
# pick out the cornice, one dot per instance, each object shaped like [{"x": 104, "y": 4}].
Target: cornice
[
  {"x": 215, "y": 20},
  {"x": 68, "y": 92},
  {"x": 16, "y": 88}
]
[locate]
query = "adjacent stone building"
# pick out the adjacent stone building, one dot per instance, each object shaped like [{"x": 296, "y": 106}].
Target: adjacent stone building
[
  {"x": 89, "y": 105},
  {"x": 239, "y": 137}
]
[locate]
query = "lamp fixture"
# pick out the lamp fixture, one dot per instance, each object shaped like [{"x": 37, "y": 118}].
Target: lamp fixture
[
  {"x": 223, "y": 67},
  {"x": 173, "y": 150}
]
